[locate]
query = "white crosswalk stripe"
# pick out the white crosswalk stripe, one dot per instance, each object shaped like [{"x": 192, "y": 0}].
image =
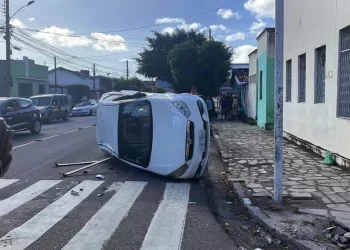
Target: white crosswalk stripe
[
  {"x": 164, "y": 231},
  {"x": 6, "y": 182},
  {"x": 23, "y": 236},
  {"x": 26, "y": 195},
  {"x": 102, "y": 225}
]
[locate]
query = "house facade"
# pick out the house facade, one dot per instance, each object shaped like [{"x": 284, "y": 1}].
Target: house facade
[
  {"x": 251, "y": 89},
  {"x": 28, "y": 78},
  {"x": 316, "y": 75},
  {"x": 265, "y": 78}
]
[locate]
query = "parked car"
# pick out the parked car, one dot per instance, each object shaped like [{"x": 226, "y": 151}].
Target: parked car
[
  {"x": 6, "y": 135},
  {"x": 20, "y": 114},
  {"x": 88, "y": 107},
  {"x": 52, "y": 106},
  {"x": 167, "y": 134}
]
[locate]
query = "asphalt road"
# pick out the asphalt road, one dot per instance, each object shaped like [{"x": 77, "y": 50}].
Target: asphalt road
[{"x": 129, "y": 209}]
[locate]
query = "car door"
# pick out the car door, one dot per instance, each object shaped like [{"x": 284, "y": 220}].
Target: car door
[
  {"x": 55, "y": 108},
  {"x": 10, "y": 114},
  {"x": 26, "y": 113}
]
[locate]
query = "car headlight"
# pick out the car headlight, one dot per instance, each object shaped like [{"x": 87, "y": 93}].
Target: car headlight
[{"x": 182, "y": 107}]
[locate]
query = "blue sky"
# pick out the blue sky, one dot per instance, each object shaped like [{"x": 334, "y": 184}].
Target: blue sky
[{"x": 87, "y": 32}]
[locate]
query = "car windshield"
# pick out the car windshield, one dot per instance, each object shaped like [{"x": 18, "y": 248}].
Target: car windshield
[
  {"x": 41, "y": 101},
  {"x": 85, "y": 103}
]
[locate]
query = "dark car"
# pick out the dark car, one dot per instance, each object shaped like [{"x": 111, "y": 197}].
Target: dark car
[
  {"x": 6, "y": 135},
  {"x": 20, "y": 114},
  {"x": 52, "y": 106}
]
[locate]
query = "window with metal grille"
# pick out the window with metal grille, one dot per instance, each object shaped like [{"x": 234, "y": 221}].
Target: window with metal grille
[
  {"x": 252, "y": 79},
  {"x": 302, "y": 78},
  {"x": 344, "y": 74},
  {"x": 320, "y": 74},
  {"x": 289, "y": 80},
  {"x": 261, "y": 84}
]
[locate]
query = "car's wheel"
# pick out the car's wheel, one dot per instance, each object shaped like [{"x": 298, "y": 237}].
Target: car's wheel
[
  {"x": 35, "y": 128},
  {"x": 90, "y": 113},
  {"x": 66, "y": 116},
  {"x": 49, "y": 119},
  {"x": 6, "y": 135}
]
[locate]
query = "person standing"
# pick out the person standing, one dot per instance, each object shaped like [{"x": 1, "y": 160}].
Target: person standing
[
  {"x": 209, "y": 104},
  {"x": 235, "y": 107}
]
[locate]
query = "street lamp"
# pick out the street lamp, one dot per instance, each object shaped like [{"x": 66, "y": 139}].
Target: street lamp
[
  {"x": 8, "y": 79},
  {"x": 29, "y": 3}
]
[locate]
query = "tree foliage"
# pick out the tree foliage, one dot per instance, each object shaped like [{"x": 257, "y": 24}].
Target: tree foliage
[{"x": 185, "y": 60}]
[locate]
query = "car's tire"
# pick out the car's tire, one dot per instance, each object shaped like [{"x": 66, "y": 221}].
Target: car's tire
[
  {"x": 49, "y": 118},
  {"x": 6, "y": 135},
  {"x": 35, "y": 128},
  {"x": 66, "y": 116},
  {"x": 90, "y": 113}
]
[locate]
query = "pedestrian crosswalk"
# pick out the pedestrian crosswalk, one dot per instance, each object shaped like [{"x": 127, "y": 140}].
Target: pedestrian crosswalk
[{"x": 165, "y": 230}]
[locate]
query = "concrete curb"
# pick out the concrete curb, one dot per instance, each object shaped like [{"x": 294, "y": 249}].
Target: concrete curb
[{"x": 259, "y": 216}]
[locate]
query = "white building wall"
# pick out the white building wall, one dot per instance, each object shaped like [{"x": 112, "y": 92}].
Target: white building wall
[
  {"x": 251, "y": 96},
  {"x": 66, "y": 78},
  {"x": 309, "y": 25}
]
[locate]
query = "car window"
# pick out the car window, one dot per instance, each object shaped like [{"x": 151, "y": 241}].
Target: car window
[
  {"x": 41, "y": 101},
  {"x": 135, "y": 132},
  {"x": 24, "y": 104},
  {"x": 12, "y": 105},
  {"x": 65, "y": 100},
  {"x": 55, "y": 101}
]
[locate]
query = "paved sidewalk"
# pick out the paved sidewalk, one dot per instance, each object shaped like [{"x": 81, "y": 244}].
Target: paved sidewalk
[{"x": 248, "y": 152}]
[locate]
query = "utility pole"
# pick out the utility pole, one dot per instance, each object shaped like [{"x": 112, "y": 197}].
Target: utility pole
[
  {"x": 209, "y": 34},
  {"x": 55, "y": 75},
  {"x": 8, "y": 78},
  {"x": 127, "y": 70},
  {"x": 94, "y": 72},
  {"x": 278, "y": 127}
]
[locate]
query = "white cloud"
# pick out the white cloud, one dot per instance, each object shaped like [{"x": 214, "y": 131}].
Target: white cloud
[
  {"x": 261, "y": 8},
  {"x": 169, "y": 20},
  {"x": 235, "y": 37},
  {"x": 228, "y": 13},
  {"x": 185, "y": 26},
  {"x": 240, "y": 53},
  {"x": 62, "y": 37},
  {"x": 17, "y": 23},
  {"x": 215, "y": 27},
  {"x": 125, "y": 59},
  {"x": 31, "y": 19},
  {"x": 109, "y": 42},
  {"x": 257, "y": 27}
]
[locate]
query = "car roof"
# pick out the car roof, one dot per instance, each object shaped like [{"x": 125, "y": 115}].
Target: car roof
[{"x": 46, "y": 95}]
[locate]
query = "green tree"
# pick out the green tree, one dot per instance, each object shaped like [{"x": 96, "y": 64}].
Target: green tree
[
  {"x": 185, "y": 60},
  {"x": 153, "y": 62}
]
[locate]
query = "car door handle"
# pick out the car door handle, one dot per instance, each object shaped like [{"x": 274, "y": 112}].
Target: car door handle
[{"x": 10, "y": 118}]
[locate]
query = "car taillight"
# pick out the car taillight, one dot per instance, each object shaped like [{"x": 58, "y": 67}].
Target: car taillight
[{"x": 189, "y": 140}]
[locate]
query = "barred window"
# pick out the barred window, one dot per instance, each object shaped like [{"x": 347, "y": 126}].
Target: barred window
[
  {"x": 289, "y": 80},
  {"x": 302, "y": 78},
  {"x": 344, "y": 74},
  {"x": 320, "y": 74}
]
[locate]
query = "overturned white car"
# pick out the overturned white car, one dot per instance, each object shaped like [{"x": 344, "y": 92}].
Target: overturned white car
[{"x": 168, "y": 134}]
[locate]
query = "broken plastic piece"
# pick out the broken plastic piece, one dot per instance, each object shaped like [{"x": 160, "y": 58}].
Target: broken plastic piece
[
  {"x": 100, "y": 176},
  {"x": 74, "y": 192}
]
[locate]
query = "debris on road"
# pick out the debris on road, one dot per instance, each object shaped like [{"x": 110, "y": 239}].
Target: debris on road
[
  {"x": 90, "y": 164},
  {"x": 100, "y": 176},
  {"x": 74, "y": 193},
  {"x": 101, "y": 194}
]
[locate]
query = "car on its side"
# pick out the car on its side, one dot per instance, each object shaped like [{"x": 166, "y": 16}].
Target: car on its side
[
  {"x": 88, "y": 107},
  {"x": 20, "y": 114},
  {"x": 167, "y": 134},
  {"x": 52, "y": 106}
]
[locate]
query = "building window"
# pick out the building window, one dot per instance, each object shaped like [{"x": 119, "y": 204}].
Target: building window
[
  {"x": 302, "y": 78},
  {"x": 344, "y": 74},
  {"x": 42, "y": 89},
  {"x": 320, "y": 74},
  {"x": 261, "y": 85},
  {"x": 289, "y": 80},
  {"x": 252, "y": 79}
]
